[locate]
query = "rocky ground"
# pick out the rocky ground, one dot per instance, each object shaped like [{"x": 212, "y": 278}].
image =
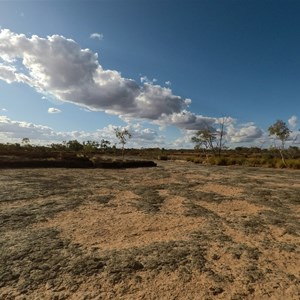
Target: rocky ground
[{"x": 177, "y": 231}]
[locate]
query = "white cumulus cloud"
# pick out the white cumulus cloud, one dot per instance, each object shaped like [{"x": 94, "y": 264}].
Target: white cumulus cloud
[
  {"x": 52, "y": 110},
  {"x": 145, "y": 79},
  {"x": 61, "y": 68},
  {"x": 8, "y": 73},
  {"x": 13, "y": 131},
  {"x": 186, "y": 120},
  {"x": 97, "y": 36},
  {"x": 293, "y": 121},
  {"x": 243, "y": 133}
]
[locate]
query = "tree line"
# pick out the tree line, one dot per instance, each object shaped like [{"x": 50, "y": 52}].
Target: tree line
[{"x": 212, "y": 139}]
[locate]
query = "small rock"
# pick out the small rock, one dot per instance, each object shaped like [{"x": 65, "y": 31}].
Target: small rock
[
  {"x": 216, "y": 257},
  {"x": 216, "y": 290}
]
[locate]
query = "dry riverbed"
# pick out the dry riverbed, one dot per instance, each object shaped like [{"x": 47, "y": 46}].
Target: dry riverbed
[{"x": 177, "y": 231}]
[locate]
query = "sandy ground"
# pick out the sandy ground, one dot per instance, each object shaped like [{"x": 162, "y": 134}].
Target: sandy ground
[{"x": 177, "y": 231}]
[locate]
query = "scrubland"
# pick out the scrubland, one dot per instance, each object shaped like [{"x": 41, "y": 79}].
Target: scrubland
[{"x": 177, "y": 231}]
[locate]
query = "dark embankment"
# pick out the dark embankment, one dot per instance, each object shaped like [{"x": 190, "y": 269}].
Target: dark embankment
[
  {"x": 124, "y": 164},
  {"x": 73, "y": 163}
]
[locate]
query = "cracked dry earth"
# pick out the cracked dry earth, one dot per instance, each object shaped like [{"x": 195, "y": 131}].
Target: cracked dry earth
[{"x": 177, "y": 231}]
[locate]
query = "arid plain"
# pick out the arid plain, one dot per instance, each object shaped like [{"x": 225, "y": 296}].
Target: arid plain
[{"x": 177, "y": 231}]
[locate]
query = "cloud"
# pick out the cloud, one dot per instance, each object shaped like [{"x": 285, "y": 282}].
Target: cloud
[
  {"x": 7, "y": 73},
  {"x": 293, "y": 121},
  {"x": 145, "y": 79},
  {"x": 61, "y": 68},
  {"x": 13, "y": 131},
  {"x": 53, "y": 110},
  {"x": 3, "y": 109},
  {"x": 143, "y": 134},
  {"x": 85, "y": 109},
  {"x": 243, "y": 133},
  {"x": 294, "y": 139},
  {"x": 97, "y": 36},
  {"x": 168, "y": 83},
  {"x": 186, "y": 120}
]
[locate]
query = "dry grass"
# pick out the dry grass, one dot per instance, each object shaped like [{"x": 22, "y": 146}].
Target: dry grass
[{"x": 178, "y": 231}]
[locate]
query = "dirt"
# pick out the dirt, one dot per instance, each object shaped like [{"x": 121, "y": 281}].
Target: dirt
[{"x": 177, "y": 231}]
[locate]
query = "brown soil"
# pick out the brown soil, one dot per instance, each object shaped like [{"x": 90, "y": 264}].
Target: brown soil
[{"x": 178, "y": 231}]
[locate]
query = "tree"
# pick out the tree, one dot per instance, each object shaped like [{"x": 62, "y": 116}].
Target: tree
[
  {"x": 282, "y": 132},
  {"x": 204, "y": 139},
  {"x": 58, "y": 147},
  {"x": 210, "y": 138},
  {"x": 90, "y": 146},
  {"x": 74, "y": 145},
  {"x": 122, "y": 136},
  {"x": 104, "y": 144},
  {"x": 25, "y": 141}
]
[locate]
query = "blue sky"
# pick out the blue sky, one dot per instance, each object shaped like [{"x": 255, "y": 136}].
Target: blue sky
[{"x": 162, "y": 69}]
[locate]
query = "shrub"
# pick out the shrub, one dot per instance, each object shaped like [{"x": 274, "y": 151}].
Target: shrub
[
  {"x": 280, "y": 164},
  {"x": 198, "y": 160},
  {"x": 240, "y": 161},
  {"x": 191, "y": 159},
  {"x": 267, "y": 156},
  {"x": 211, "y": 160},
  {"x": 265, "y": 160},
  {"x": 218, "y": 160},
  {"x": 271, "y": 163},
  {"x": 163, "y": 157},
  {"x": 221, "y": 161},
  {"x": 293, "y": 163}
]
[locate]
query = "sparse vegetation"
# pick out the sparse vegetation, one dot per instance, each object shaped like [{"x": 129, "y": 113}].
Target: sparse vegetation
[
  {"x": 264, "y": 159},
  {"x": 210, "y": 139},
  {"x": 243, "y": 156},
  {"x": 282, "y": 132},
  {"x": 180, "y": 229},
  {"x": 122, "y": 136}
]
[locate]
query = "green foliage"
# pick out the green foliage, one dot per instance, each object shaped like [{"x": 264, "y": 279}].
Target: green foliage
[
  {"x": 104, "y": 144},
  {"x": 90, "y": 146},
  {"x": 280, "y": 130},
  {"x": 205, "y": 139},
  {"x": 242, "y": 156},
  {"x": 25, "y": 141},
  {"x": 262, "y": 160},
  {"x": 74, "y": 145},
  {"x": 221, "y": 161},
  {"x": 280, "y": 164},
  {"x": 58, "y": 147},
  {"x": 122, "y": 136},
  {"x": 293, "y": 163},
  {"x": 210, "y": 138},
  {"x": 293, "y": 152}
]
